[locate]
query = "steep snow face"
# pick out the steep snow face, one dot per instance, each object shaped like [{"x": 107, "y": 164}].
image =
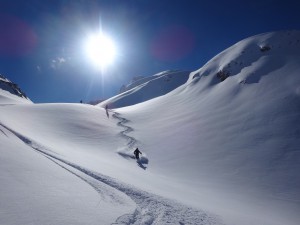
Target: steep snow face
[
  {"x": 10, "y": 93},
  {"x": 239, "y": 136},
  {"x": 147, "y": 88}
]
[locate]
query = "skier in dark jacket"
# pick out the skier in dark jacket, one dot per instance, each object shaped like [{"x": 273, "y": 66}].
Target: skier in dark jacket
[
  {"x": 106, "y": 110},
  {"x": 136, "y": 153}
]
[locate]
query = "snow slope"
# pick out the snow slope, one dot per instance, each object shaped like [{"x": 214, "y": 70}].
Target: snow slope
[
  {"x": 146, "y": 88},
  {"x": 213, "y": 152},
  {"x": 234, "y": 142},
  {"x": 82, "y": 140},
  {"x": 36, "y": 190}
]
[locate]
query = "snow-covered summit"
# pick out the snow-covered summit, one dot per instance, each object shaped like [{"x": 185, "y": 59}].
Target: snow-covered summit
[
  {"x": 145, "y": 88},
  {"x": 250, "y": 59},
  {"x": 10, "y": 92}
]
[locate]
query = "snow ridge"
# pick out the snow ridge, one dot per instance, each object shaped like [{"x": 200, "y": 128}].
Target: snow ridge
[
  {"x": 151, "y": 209},
  {"x": 147, "y": 88}
]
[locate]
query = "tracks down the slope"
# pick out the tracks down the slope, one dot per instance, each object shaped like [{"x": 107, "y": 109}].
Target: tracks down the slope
[
  {"x": 151, "y": 209},
  {"x": 122, "y": 121},
  {"x": 127, "y": 152}
]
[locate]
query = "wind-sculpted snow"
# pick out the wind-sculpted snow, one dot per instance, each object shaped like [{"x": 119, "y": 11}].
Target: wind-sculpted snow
[{"x": 150, "y": 208}]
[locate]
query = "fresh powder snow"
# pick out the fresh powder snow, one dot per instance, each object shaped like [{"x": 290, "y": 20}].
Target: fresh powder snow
[{"x": 222, "y": 148}]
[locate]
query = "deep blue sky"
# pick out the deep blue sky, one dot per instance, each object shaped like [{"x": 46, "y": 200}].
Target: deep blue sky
[{"x": 41, "y": 40}]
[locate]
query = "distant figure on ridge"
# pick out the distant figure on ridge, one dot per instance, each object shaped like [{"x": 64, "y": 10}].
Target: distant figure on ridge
[
  {"x": 136, "y": 153},
  {"x": 106, "y": 109}
]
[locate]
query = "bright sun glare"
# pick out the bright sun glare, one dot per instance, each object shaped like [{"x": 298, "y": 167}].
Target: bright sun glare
[{"x": 101, "y": 50}]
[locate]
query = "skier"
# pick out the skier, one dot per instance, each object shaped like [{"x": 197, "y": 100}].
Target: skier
[
  {"x": 106, "y": 109},
  {"x": 136, "y": 153}
]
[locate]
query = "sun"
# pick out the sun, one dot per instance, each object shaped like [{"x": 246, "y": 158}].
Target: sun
[{"x": 101, "y": 50}]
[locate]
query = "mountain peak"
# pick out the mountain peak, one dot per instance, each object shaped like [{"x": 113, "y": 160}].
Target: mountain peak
[
  {"x": 10, "y": 90},
  {"x": 251, "y": 53}
]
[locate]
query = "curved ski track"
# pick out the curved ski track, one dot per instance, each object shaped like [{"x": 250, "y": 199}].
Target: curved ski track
[
  {"x": 131, "y": 140},
  {"x": 151, "y": 209}
]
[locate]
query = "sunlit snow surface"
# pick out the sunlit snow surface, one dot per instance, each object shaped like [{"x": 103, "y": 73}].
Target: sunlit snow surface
[{"x": 213, "y": 152}]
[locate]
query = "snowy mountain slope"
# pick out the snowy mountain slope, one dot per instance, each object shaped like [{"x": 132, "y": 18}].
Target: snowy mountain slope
[
  {"x": 82, "y": 140},
  {"x": 10, "y": 92},
  {"x": 34, "y": 190},
  {"x": 214, "y": 152},
  {"x": 136, "y": 81},
  {"x": 147, "y": 88},
  {"x": 238, "y": 138}
]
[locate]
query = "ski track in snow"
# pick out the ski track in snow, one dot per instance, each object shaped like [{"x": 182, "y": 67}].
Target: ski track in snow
[
  {"x": 151, "y": 209},
  {"x": 131, "y": 141}
]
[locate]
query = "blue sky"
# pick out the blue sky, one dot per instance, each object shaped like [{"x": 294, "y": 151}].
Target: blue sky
[{"x": 41, "y": 42}]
